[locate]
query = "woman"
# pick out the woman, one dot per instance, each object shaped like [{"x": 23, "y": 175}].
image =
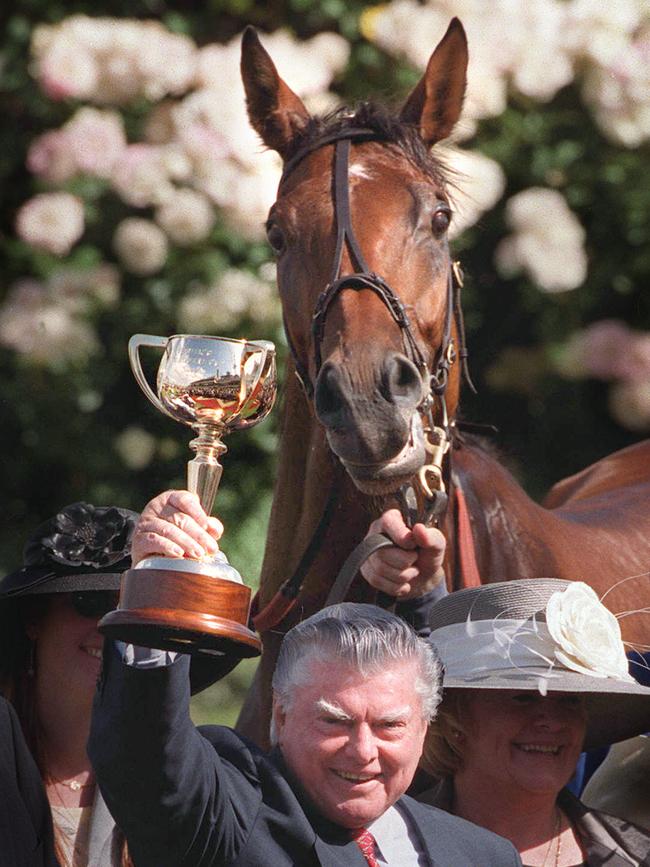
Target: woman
[
  {"x": 534, "y": 670},
  {"x": 50, "y": 658}
]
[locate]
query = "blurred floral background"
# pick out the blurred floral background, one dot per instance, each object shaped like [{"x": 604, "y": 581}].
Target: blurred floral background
[{"x": 134, "y": 197}]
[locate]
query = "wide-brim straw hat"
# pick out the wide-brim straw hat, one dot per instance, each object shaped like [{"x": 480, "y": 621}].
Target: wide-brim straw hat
[
  {"x": 545, "y": 635},
  {"x": 82, "y": 549}
]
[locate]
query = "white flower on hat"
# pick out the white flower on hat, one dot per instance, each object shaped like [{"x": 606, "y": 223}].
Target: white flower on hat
[{"x": 587, "y": 634}]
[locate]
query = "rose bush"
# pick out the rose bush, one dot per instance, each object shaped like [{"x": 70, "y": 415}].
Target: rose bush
[{"x": 138, "y": 120}]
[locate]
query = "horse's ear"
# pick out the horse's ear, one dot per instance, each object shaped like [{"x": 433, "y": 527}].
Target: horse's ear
[
  {"x": 435, "y": 104},
  {"x": 274, "y": 110}
]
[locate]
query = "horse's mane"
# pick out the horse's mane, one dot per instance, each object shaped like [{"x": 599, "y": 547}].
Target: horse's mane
[{"x": 388, "y": 127}]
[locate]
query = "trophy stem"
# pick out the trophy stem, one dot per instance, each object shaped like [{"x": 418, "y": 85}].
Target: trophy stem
[{"x": 204, "y": 470}]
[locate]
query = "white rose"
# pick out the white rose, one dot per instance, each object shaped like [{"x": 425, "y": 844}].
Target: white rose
[
  {"x": 52, "y": 222},
  {"x": 96, "y": 139},
  {"x": 140, "y": 245},
  {"x": 43, "y": 331},
  {"x": 629, "y": 403},
  {"x": 482, "y": 185},
  {"x": 135, "y": 447},
  {"x": 187, "y": 217},
  {"x": 548, "y": 241},
  {"x": 140, "y": 176},
  {"x": 587, "y": 634}
]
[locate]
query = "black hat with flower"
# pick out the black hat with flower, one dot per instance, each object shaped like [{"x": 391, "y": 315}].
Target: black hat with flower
[{"x": 82, "y": 548}]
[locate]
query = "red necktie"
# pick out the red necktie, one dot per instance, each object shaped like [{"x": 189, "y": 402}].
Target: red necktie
[{"x": 366, "y": 842}]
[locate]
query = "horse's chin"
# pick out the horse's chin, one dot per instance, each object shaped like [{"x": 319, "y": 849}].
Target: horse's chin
[{"x": 384, "y": 478}]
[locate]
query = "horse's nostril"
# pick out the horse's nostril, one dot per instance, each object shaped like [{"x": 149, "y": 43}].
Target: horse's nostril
[
  {"x": 401, "y": 380},
  {"x": 327, "y": 394}
]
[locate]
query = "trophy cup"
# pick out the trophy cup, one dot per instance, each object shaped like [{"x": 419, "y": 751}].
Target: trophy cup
[{"x": 215, "y": 385}]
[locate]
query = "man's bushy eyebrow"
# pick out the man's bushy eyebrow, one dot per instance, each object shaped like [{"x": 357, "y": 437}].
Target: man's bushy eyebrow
[
  {"x": 332, "y": 709},
  {"x": 338, "y": 713}
]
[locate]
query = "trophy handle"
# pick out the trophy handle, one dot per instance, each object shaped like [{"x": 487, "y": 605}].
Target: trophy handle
[
  {"x": 267, "y": 347},
  {"x": 135, "y": 343}
]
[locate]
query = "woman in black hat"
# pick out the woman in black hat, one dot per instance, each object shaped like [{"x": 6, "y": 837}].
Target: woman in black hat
[
  {"x": 534, "y": 670},
  {"x": 50, "y": 658}
]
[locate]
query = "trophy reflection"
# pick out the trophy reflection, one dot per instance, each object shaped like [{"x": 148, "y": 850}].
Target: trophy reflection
[{"x": 215, "y": 385}]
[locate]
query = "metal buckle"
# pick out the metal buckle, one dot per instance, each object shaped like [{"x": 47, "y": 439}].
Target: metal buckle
[{"x": 457, "y": 271}]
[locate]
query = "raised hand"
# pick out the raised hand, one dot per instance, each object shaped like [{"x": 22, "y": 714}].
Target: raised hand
[
  {"x": 414, "y": 566},
  {"x": 174, "y": 524}
]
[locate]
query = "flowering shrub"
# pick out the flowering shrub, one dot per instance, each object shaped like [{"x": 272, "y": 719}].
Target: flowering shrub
[
  {"x": 136, "y": 196},
  {"x": 536, "y": 48}
]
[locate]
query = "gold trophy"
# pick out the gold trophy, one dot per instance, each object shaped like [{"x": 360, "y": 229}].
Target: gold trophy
[{"x": 215, "y": 385}]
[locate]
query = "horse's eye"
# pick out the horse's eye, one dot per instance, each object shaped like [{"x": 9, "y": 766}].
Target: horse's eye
[
  {"x": 275, "y": 237},
  {"x": 440, "y": 220}
]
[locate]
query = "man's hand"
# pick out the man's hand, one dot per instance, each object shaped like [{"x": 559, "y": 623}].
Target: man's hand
[
  {"x": 174, "y": 524},
  {"x": 413, "y": 567}
]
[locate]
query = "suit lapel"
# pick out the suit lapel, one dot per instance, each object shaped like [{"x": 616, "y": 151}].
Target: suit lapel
[{"x": 413, "y": 810}]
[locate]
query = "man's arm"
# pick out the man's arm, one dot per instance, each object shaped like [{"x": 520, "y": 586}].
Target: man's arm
[{"x": 177, "y": 798}]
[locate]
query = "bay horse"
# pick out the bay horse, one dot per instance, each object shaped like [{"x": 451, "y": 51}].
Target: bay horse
[{"x": 373, "y": 323}]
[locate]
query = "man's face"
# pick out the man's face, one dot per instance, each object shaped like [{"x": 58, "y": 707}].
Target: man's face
[{"x": 353, "y": 742}]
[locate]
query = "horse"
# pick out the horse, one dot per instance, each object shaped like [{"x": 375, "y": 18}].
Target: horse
[{"x": 372, "y": 315}]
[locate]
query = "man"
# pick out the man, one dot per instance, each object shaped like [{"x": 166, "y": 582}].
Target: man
[{"x": 354, "y": 689}]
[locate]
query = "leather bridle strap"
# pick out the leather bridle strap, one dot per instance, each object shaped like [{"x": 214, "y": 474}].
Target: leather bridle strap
[
  {"x": 363, "y": 277},
  {"x": 287, "y": 595},
  {"x": 340, "y": 588}
]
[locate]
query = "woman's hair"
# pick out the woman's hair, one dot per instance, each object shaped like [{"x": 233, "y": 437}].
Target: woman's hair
[
  {"x": 17, "y": 685},
  {"x": 17, "y": 659},
  {"x": 442, "y": 755},
  {"x": 359, "y": 636}
]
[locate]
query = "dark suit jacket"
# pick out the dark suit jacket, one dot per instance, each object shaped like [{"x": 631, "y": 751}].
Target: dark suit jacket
[
  {"x": 188, "y": 797},
  {"x": 25, "y": 818}
]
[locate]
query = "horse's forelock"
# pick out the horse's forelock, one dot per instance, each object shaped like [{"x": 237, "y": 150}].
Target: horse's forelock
[{"x": 388, "y": 127}]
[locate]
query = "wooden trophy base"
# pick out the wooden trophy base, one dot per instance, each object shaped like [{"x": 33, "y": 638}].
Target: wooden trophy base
[{"x": 183, "y": 611}]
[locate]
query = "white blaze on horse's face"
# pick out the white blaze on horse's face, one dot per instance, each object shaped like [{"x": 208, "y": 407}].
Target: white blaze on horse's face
[
  {"x": 368, "y": 371},
  {"x": 358, "y": 172}
]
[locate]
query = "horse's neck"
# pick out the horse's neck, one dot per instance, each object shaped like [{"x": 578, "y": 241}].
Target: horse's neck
[
  {"x": 512, "y": 534},
  {"x": 310, "y": 480}
]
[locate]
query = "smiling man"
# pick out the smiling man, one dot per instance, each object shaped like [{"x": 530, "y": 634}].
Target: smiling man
[{"x": 354, "y": 690}]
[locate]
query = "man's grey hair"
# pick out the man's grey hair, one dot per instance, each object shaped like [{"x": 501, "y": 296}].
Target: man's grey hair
[{"x": 363, "y": 637}]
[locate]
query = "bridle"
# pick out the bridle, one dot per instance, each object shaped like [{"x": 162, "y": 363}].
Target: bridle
[
  {"x": 364, "y": 278},
  {"x": 438, "y": 437},
  {"x": 425, "y": 498}
]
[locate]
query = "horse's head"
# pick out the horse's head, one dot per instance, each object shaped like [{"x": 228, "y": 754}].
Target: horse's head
[{"x": 366, "y": 362}]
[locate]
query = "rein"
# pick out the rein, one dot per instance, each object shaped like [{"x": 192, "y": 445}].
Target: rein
[{"x": 426, "y": 497}]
